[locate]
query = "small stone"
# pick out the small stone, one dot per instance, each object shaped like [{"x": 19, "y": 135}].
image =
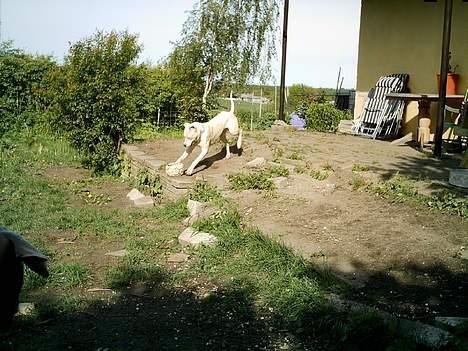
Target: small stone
[
  {"x": 256, "y": 163},
  {"x": 280, "y": 182},
  {"x": 144, "y": 202},
  {"x": 25, "y": 308},
  {"x": 464, "y": 254},
  {"x": 191, "y": 237},
  {"x": 198, "y": 210},
  {"x": 280, "y": 123},
  {"x": 119, "y": 253},
  {"x": 135, "y": 194},
  {"x": 195, "y": 208},
  {"x": 178, "y": 257}
]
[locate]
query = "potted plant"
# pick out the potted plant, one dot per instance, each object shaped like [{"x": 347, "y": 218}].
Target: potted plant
[{"x": 452, "y": 78}]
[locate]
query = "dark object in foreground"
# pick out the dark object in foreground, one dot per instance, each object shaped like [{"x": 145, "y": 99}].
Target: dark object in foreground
[{"x": 14, "y": 251}]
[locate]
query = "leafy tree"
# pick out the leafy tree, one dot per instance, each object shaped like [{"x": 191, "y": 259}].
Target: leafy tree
[
  {"x": 156, "y": 92},
  {"x": 227, "y": 41},
  {"x": 95, "y": 96},
  {"x": 21, "y": 80}
]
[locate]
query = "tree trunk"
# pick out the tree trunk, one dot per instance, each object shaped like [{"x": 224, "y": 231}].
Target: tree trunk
[{"x": 208, "y": 86}]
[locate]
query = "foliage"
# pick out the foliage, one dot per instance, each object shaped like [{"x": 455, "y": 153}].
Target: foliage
[
  {"x": 257, "y": 181},
  {"x": 324, "y": 117},
  {"x": 148, "y": 183},
  {"x": 225, "y": 41},
  {"x": 320, "y": 174},
  {"x": 401, "y": 189},
  {"x": 202, "y": 191},
  {"x": 21, "y": 79},
  {"x": 260, "y": 180},
  {"x": 360, "y": 168},
  {"x": 301, "y": 96},
  {"x": 93, "y": 96},
  {"x": 257, "y": 123},
  {"x": 155, "y": 92}
]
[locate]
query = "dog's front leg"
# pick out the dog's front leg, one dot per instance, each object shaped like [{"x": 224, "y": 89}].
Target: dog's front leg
[
  {"x": 187, "y": 152},
  {"x": 194, "y": 164}
]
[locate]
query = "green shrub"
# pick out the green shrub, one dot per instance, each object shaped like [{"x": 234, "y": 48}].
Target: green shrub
[
  {"x": 257, "y": 181},
  {"x": 204, "y": 192},
  {"x": 95, "y": 96},
  {"x": 324, "y": 117},
  {"x": 21, "y": 80}
]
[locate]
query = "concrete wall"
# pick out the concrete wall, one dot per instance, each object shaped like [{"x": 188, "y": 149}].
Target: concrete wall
[{"x": 405, "y": 36}]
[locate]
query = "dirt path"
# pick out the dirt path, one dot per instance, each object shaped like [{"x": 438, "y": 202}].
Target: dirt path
[{"x": 399, "y": 257}]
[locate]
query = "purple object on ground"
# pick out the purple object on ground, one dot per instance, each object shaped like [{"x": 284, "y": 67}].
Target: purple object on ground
[{"x": 297, "y": 121}]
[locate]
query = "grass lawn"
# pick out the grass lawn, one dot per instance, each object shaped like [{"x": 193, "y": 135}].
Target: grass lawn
[{"x": 247, "y": 292}]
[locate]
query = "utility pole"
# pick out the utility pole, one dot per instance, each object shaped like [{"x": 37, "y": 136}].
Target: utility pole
[
  {"x": 283, "y": 59},
  {"x": 0, "y": 21},
  {"x": 443, "y": 77}
]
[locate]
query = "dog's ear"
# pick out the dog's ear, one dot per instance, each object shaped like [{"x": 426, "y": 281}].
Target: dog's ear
[
  {"x": 186, "y": 125},
  {"x": 200, "y": 127}
]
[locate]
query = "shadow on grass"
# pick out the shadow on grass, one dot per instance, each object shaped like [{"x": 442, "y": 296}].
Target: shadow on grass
[
  {"x": 149, "y": 316},
  {"x": 413, "y": 290},
  {"x": 419, "y": 168},
  {"x": 154, "y": 314}
]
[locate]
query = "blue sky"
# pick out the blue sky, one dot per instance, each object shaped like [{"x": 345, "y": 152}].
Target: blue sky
[{"x": 322, "y": 35}]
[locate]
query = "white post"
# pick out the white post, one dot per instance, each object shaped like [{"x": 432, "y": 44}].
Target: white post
[
  {"x": 159, "y": 115},
  {"x": 260, "y": 110},
  {"x": 251, "y": 111},
  {"x": 275, "y": 98}
]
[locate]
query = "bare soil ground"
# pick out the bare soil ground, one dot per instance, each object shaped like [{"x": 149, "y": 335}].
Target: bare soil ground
[{"x": 399, "y": 257}]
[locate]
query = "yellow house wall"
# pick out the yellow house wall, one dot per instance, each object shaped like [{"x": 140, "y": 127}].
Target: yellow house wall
[{"x": 405, "y": 36}]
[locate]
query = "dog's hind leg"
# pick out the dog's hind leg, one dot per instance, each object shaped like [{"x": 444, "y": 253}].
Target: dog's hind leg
[
  {"x": 223, "y": 138},
  {"x": 239, "y": 140}
]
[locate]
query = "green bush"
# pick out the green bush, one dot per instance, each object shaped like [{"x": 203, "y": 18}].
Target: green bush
[
  {"x": 95, "y": 95},
  {"x": 324, "y": 117},
  {"x": 21, "y": 80}
]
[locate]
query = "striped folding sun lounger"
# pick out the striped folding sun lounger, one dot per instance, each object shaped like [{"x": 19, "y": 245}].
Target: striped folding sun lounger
[{"x": 381, "y": 118}]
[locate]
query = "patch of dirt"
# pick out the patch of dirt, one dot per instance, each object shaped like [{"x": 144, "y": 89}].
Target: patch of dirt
[
  {"x": 110, "y": 195},
  {"x": 66, "y": 173},
  {"x": 401, "y": 258}
]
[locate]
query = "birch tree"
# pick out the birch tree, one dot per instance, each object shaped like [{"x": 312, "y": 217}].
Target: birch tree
[{"x": 228, "y": 42}]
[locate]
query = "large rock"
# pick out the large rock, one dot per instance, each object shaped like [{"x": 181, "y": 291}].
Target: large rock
[
  {"x": 194, "y": 238},
  {"x": 195, "y": 207},
  {"x": 144, "y": 202},
  {"x": 459, "y": 177},
  {"x": 198, "y": 210},
  {"x": 135, "y": 194}
]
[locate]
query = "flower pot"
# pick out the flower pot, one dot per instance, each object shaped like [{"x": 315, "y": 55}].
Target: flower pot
[{"x": 452, "y": 82}]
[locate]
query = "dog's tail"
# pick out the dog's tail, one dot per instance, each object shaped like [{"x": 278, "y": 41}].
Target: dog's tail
[{"x": 232, "y": 103}]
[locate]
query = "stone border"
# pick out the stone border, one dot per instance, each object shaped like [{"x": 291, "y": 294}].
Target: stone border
[{"x": 173, "y": 187}]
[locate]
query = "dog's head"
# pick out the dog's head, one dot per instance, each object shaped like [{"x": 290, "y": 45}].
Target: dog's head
[{"x": 192, "y": 133}]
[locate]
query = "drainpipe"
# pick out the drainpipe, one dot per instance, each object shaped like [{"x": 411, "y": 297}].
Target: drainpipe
[
  {"x": 443, "y": 77},
  {"x": 283, "y": 59}
]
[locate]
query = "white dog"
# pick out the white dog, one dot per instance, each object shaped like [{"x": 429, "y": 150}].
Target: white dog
[{"x": 205, "y": 134}]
